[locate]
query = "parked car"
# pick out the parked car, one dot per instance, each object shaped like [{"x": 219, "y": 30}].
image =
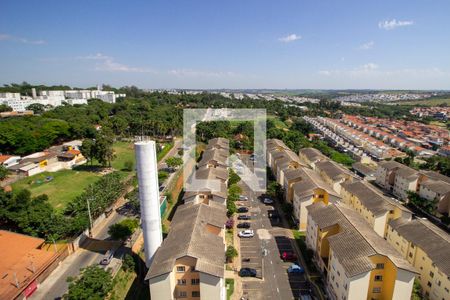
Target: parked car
[
  {"x": 294, "y": 268},
  {"x": 242, "y": 210},
  {"x": 247, "y": 272},
  {"x": 243, "y": 217},
  {"x": 229, "y": 223},
  {"x": 107, "y": 257},
  {"x": 161, "y": 188},
  {"x": 246, "y": 233},
  {"x": 243, "y": 198},
  {"x": 267, "y": 201},
  {"x": 243, "y": 225},
  {"x": 288, "y": 256}
]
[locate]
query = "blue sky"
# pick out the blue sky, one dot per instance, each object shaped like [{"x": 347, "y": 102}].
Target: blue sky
[{"x": 336, "y": 44}]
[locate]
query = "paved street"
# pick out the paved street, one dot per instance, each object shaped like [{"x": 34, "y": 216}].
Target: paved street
[
  {"x": 264, "y": 250},
  {"x": 271, "y": 240}
]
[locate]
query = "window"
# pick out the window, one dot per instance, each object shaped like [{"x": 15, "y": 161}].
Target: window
[
  {"x": 431, "y": 274},
  {"x": 410, "y": 254},
  {"x": 193, "y": 269},
  {"x": 429, "y": 284},
  {"x": 195, "y": 281},
  {"x": 181, "y": 281},
  {"x": 380, "y": 266},
  {"x": 378, "y": 278},
  {"x": 339, "y": 274},
  {"x": 195, "y": 294},
  {"x": 439, "y": 283},
  {"x": 182, "y": 294},
  {"x": 181, "y": 269},
  {"x": 376, "y": 290}
]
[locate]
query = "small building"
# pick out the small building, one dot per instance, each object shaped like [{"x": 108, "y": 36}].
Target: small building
[{"x": 189, "y": 264}]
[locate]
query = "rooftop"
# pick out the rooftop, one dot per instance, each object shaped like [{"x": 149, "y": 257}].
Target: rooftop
[{"x": 189, "y": 236}]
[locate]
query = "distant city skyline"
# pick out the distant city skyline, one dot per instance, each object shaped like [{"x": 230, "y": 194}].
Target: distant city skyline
[{"x": 228, "y": 45}]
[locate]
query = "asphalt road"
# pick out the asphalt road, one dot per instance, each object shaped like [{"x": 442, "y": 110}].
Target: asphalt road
[
  {"x": 56, "y": 285},
  {"x": 264, "y": 250}
]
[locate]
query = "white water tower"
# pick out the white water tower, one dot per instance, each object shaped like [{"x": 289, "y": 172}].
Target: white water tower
[{"x": 147, "y": 172}]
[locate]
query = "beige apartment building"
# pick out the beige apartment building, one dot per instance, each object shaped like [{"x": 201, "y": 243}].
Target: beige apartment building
[
  {"x": 357, "y": 262},
  {"x": 435, "y": 187},
  {"x": 190, "y": 262},
  {"x": 405, "y": 181},
  {"x": 333, "y": 174},
  {"x": 373, "y": 206},
  {"x": 427, "y": 248},
  {"x": 274, "y": 146},
  {"x": 308, "y": 189},
  {"x": 310, "y": 156}
]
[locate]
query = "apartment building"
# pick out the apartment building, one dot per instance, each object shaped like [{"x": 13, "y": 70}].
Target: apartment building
[
  {"x": 333, "y": 174},
  {"x": 218, "y": 143},
  {"x": 214, "y": 158},
  {"x": 280, "y": 157},
  {"x": 357, "y": 262},
  {"x": 372, "y": 205},
  {"x": 386, "y": 172},
  {"x": 273, "y": 147},
  {"x": 435, "y": 187},
  {"x": 309, "y": 188},
  {"x": 310, "y": 156},
  {"x": 289, "y": 161},
  {"x": 426, "y": 247},
  {"x": 190, "y": 262},
  {"x": 405, "y": 181}
]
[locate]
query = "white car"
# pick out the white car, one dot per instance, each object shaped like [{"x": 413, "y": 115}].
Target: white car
[
  {"x": 246, "y": 233},
  {"x": 243, "y": 198},
  {"x": 267, "y": 201}
]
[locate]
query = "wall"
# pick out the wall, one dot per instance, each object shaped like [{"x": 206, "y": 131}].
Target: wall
[
  {"x": 162, "y": 287},
  {"x": 211, "y": 287}
]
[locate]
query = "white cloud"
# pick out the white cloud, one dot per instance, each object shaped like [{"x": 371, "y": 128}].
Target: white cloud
[
  {"x": 368, "y": 67},
  {"x": 7, "y": 37},
  {"x": 108, "y": 63},
  {"x": 367, "y": 46},
  {"x": 200, "y": 73},
  {"x": 290, "y": 38},
  {"x": 392, "y": 24}
]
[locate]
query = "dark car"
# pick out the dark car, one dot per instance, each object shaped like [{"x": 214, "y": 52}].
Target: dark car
[
  {"x": 243, "y": 225},
  {"x": 242, "y": 210},
  {"x": 288, "y": 256},
  {"x": 273, "y": 214},
  {"x": 243, "y": 217},
  {"x": 247, "y": 272},
  {"x": 229, "y": 223}
]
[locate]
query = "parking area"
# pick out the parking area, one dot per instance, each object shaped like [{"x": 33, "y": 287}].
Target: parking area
[{"x": 297, "y": 281}]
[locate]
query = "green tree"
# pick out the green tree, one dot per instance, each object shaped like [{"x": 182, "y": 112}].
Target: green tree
[
  {"x": 231, "y": 253},
  {"x": 5, "y": 108},
  {"x": 174, "y": 161},
  {"x": 3, "y": 172},
  {"x": 88, "y": 149},
  {"x": 233, "y": 178},
  {"x": 94, "y": 283},
  {"x": 123, "y": 229},
  {"x": 128, "y": 263},
  {"x": 37, "y": 108}
]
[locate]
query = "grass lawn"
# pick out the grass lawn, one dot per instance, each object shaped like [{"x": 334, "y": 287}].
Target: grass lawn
[
  {"x": 427, "y": 102},
  {"x": 124, "y": 152},
  {"x": 122, "y": 284},
  {"x": 229, "y": 283},
  {"x": 65, "y": 185}
]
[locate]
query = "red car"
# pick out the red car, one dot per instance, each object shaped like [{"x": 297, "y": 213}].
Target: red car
[{"x": 288, "y": 256}]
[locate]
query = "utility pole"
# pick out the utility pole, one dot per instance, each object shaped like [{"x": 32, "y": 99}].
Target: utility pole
[{"x": 89, "y": 212}]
